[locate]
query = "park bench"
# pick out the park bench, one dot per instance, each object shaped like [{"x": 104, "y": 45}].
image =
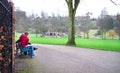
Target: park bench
[{"x": 20, "y": 51}]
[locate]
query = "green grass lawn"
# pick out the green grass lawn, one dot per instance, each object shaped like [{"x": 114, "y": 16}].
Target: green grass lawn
[{"x": 112, "y": 45}]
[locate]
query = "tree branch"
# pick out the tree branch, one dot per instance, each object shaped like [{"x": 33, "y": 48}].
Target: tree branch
[
  {"x": 76, "y": 3},
  {"x": 114, "y": 2},
  {"x": 66, "y": 1}
]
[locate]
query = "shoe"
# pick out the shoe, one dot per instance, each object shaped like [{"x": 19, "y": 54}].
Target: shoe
[
  {"x": 25, "y": 53},
  {"x": 35, "y": 48}
]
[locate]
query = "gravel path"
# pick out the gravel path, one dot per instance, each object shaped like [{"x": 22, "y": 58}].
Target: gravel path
[{"x": 65, "y": 59}]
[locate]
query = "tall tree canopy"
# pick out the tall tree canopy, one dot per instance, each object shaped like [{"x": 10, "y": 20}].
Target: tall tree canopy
[{"x": 72, "y": 7}]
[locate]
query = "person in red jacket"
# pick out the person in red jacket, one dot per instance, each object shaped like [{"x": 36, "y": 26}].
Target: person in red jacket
[{"x": 24, "y": 40}]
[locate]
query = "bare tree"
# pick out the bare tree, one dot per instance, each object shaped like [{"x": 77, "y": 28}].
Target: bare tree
[
  {"x": 72, "y": 7},
  {"x": 36, "y": 25},
  {"x": 117, "y": 2},
  {"x": 118, "y": 25},
  {"x": 102, "y": 20},
  {"x": 22, "y": 21}
]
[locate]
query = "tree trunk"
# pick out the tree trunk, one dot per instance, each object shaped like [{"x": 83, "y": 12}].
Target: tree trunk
[
  {"x": 102, "y": 34},
  {"x": 84, "y": 35},
  {"x": 72, "y": 7},
  {"x": 119, "y": 34},
  {"x": 71, "y": 27},
  {"x": 36, "y": 34},
  {"x": 87, "y": 35}
]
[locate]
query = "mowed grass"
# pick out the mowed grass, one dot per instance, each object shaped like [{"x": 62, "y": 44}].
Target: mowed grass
[
  {"x": 111, "y": 45},
  {"x": 49, "y": 40}
]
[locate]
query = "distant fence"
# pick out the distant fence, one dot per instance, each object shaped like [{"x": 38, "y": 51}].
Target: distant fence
[{"x": 6, "y": 51}]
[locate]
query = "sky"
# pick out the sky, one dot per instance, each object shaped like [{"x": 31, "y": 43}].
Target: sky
[{"x": 59, "y": 7}]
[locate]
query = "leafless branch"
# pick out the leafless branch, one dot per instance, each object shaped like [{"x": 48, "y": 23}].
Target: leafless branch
[
  {"x": 66, "y": 1},
  {"x": 114, "y": 2},
  {"x": 76, "y": 3}
]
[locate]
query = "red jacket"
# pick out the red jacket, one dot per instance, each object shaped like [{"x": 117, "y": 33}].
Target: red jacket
[{"x": 24, "y": 40}]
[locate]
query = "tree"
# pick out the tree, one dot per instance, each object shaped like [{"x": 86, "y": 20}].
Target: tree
[
  {"x": 117, "y": 24},
  {"x": 72, "y": 7},
  {"x": 36, "y": 25},
  {"x": 22, "y": 21},
  {"x": 105, "y": 22},
  {"x": 88, "y": 23},
  {"x": 109, "y": 23},
  {"x": 62, "y": 21},
  {"x": 85, "y": 25}
]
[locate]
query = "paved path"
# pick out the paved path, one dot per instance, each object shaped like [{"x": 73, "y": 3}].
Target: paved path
[{"x": 65, "y": 59}]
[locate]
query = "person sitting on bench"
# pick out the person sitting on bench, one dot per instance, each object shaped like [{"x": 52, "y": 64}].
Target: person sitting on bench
[{"x": 24, "y": 40}]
